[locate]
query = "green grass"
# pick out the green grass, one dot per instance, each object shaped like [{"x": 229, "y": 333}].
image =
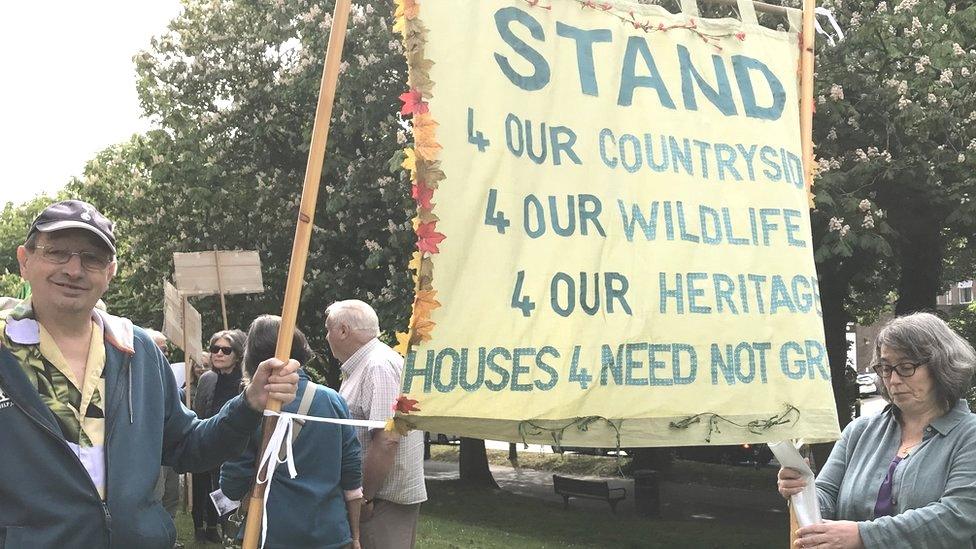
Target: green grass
[
  {"x": 184, "y": 533},
  {"x": 682, "y": 471},
  {"x": 456, "y": 517}
]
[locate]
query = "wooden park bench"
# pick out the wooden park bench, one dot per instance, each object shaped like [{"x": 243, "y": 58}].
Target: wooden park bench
[{"x": 593, "y": 489}]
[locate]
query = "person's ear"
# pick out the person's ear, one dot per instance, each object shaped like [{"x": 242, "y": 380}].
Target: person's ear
[{"x": 22, "y": 258}]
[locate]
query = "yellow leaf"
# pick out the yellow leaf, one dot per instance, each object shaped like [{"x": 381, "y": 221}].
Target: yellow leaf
[
  {"x": 415, "y": 260},
  {"x": 398, "y": 424},
  {"x": 403, "y": 343},
  {"x": 410, "y": 162}
]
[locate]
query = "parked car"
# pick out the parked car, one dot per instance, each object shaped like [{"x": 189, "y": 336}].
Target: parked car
[
  {"x": 755, "y": 454},
  {"x": 867, "y": 383}
]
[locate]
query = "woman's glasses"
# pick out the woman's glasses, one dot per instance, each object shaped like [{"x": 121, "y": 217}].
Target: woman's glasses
[
  {"x": 904, "y": 369},
  {"x": 221, "y": 349}
]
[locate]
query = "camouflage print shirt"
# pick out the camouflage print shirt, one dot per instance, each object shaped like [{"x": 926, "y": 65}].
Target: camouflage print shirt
[{"x": 76, "y": 404}]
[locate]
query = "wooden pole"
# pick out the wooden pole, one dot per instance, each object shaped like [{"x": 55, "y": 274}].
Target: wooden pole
[
  {"x": 303, "y": 234},
  {"x": 794, "y": 525},
  {"x": 220, "y": 289},
  {"x": 188, "y": 369},
  {"x": 806, "y": 135},
  {"x": 806, "y": 93}
]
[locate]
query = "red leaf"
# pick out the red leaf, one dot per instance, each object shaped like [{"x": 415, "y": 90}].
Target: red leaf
[
  {"x": 428, "y": 238},
  {"x": 741, "y": 36},
  {"x": 413, "y": 102},
  {"x": 405, "y": 405},
  {"x": 422, "y": 195}
]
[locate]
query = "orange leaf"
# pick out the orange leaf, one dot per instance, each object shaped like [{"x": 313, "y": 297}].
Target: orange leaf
[
  {"x": 424, "y": 303},
  {"x": 421, "y": 330},
  {"x": 405, "y": 405},
  {"x": 428, "y": 151}
]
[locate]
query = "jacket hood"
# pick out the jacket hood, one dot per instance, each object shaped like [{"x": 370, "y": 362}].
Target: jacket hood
[{"x": 22, "y": 328}]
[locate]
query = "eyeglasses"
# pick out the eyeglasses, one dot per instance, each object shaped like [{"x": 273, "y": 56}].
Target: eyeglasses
[
  {"x": 59, "y": 256},
  {"x": 904, "y": 369},
  {"x": 221, "y": 349}
]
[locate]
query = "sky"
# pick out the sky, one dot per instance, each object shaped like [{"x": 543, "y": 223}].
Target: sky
[{"x": 67, "y": 85}]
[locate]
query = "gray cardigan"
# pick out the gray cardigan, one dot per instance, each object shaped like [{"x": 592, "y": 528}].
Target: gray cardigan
[{"x": 934, "y": 488}]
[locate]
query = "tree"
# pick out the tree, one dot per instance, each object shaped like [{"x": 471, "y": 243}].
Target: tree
[
  {"x": 896, "y": 154},
  {"x": 473, "y": 464},
  {"x": 232, "y": 87},
  {"x": 15, "y": 221}
]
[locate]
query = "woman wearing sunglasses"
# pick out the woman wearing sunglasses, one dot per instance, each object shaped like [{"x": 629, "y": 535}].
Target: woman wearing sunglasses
[
  {"x": 216, "y": 386},
  {"x": 906, "y": 477}
]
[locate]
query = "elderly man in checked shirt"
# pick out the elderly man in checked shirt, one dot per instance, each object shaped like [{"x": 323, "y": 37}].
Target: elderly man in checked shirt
[{"x": 393, "y": 466}]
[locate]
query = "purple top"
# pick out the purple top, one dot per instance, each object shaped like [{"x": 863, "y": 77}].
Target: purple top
[{"x": 885, "y": 506}]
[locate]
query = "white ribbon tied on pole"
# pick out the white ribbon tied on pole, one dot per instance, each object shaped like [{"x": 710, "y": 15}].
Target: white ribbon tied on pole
[
  {"x": 833, "y": 22},
  {"x": 283, "y": 435}
]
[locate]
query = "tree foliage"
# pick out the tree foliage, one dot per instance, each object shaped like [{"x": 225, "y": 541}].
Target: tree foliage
[
  {"x": 896, "y": 145},
  {"x": 232, "y": 88}
]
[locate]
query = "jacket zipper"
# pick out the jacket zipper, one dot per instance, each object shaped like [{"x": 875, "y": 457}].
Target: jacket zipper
[{"x": 107, "y": 516}]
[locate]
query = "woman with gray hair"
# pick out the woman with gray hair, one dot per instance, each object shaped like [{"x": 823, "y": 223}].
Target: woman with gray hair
[
  {"x": 215, "y": 387},
  {"x": 906, "y": 477}
]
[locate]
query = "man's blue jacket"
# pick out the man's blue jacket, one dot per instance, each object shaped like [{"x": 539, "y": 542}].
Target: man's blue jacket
[{"x": 47, "y": 499}]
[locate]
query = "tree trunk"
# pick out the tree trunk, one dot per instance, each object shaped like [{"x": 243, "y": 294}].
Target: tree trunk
[
  {"x": 922, "y": 249},
  {"x": 647, "y": 497},
  {"x": 834, "y": 288},
  {"x": 473, "y": 462},
  {"x": 655, "y": 459}
]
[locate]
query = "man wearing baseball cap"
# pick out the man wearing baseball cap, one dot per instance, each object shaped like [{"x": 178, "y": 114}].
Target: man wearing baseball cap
[{"x": 89, "y": 408}]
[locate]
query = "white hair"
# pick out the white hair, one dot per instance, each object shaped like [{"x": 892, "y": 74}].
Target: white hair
[
  {"x": 356, "y": 315},
  {"x": 158, "y": 337}
]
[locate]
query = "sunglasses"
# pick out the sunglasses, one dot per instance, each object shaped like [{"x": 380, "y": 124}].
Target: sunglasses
[
  {"x": 214, "y": 349},
  {"x": 89, "y": 260}
]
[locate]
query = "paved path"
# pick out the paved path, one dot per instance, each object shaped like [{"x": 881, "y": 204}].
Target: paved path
[{"x": 679, "y": 501}]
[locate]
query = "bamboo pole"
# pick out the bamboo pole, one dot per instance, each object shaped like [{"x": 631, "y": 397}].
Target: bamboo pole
[
  {"x": 806, "y": 136},
  {"x": 794, "y": 525},
  {"x": 220, "y": 289},
  {"x": 303, "y": 234},
  {"x": 807, "y": 37}
]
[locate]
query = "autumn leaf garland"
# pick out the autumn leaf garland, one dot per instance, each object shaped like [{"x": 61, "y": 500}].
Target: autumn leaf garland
[{"x": 425, "y": 172}]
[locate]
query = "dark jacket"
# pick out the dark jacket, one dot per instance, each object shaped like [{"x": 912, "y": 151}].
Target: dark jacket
[
  {"x": 203, "y": 397},
  {"x": 309, "y": 510},
  {"x": 47, "y": 499}
]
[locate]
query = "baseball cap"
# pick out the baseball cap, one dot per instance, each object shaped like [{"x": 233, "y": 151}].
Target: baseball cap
[{"x": 74, "y": 214}]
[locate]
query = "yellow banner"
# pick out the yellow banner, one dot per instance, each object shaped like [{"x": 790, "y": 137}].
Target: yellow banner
[{"x": 614, "y": 240}]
